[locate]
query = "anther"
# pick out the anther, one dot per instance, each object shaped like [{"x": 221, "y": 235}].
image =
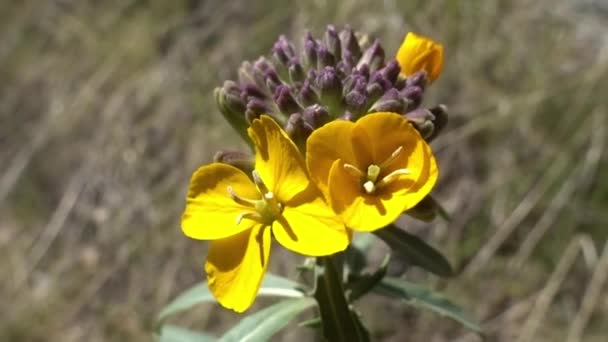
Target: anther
[
  {"x": 392, "y": 157},
  {"x": 391, "y": 177},
  {"x": 240, "y": 200},
  {"x": 353, "y": 171}
]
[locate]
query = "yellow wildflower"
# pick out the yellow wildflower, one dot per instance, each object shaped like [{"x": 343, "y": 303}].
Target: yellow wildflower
[
  {"x": 371, "y": 170},
  {"x": 240, "y": 215},
  {"x": 420, "y": 53}
]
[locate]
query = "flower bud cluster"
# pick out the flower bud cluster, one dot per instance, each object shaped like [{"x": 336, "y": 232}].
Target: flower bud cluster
[{"x": 344, "y": 75}]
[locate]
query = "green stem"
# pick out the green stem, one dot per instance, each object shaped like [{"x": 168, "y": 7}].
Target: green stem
[{"x": 339, "y": 322}]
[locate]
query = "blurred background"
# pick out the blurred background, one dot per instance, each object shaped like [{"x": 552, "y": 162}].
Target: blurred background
[{"x": 106, "y": 108}]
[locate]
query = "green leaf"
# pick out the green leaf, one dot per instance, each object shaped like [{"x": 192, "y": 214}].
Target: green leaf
[
  {"x": 338, "y": 322},
  {"x": 272, "y": 285},
  {"x": 415, "y": 250},
  {"x": 263, "y": 324},
  {"x": 422, "y": 297},
  {"x": 364, "y": 283},
  {"x": 173, "y": 333},
  {"x": 427, "y": 209}
]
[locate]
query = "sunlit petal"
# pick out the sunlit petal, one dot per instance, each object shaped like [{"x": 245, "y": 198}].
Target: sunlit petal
[
  {"x": 360, "y": 211},
  {"x": 236, "y": 265},
  {"x": 310, "y": 227},
  {"x": 210, "y": 213},
  {"x": 278, "y": 161},
  {"x": 324, "y": 146},
  {"x": 386, "y": 132}
]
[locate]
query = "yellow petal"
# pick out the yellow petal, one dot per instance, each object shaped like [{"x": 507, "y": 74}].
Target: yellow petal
[
  {"x": 420, "y": 53},
  {"x": 210, "y": 212},
  {"x": 310, "y": 227},
  {"x": 324, "y": 146},
  {"x": 278, "y": 161},
  {"x": 412, "y": 188},
  {"x": 385, "y": 132},
  {"x": 236, "y": 265},
  {"x": 360, "y": 211}
]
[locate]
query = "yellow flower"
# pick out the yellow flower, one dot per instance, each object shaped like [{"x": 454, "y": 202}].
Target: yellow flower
[
  {"x": 371, "y": 170},
  {"x": 420, "y": 53},
  {"x": 240, "y": 215}
]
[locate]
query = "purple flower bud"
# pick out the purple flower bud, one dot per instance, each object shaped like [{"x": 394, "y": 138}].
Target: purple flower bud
[
  {"x": 285, "y": 101},
  {"x": 363, "y": 70},
  {"x": 307, "y": 95},
  {"x": 257, "y": 106},
  {"x": 418, "y": 79},
  {"x": 252, "y": 90},
  {"x": 328, "y": 81},
  {"x": 355, "y": 82},
  {"x": 240, "y": 160},
  {"x": 441, "y": 120},
  {"x": 356, "y": 102},
  {"x": 330, "y": 88},
  {"x": 414, "y": 96},
  {"x": 422, "y": 119},
  {"x": 316, "y": 116},
  {"x": 373, "y": 56},
  {"x": 296, "y": 72},
  {"x": 298, "y": 130},
  {"x": 324, "y": 58},
  {"x": 332, "y": 41},
  {"x": 391, "y": 101},
  {"x": 283, "y": 50},
  {"x": 391, "y": 71},
  {"x": 310, "y": 51},
  {"x": 350, "y": 43},
  {"x": 231, "y": 97}
]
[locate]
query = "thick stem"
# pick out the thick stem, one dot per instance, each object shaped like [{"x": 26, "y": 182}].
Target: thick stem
[{"x": 339, "y": 322}]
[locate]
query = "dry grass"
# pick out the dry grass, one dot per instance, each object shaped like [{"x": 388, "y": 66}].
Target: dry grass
[{"x": 106, "y": 108}]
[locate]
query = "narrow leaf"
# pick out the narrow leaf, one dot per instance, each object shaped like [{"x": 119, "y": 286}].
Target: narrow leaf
[
  {"x": 364, "y": 283},
  {"x": 263, "y": 324},
  {"x": 272, "y": 285},
  {"x": 415, "y": 250},
  {"x": 173, "y": 333},
  {"x": 422, "y": 297}
]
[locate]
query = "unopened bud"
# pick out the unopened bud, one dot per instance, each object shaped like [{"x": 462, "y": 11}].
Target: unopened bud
[
  {"x": 285, "y": 101},
  {"x": 422, "y": 119},
  {"x": 298, "y": 130},
  {"x": 316, "y": 116},
  {"x": 242, "y": 161},
  {"x": 324, "y": 58},
  {"x": 307, "y": 95},
  {"x": 391, "y": 101},
  {"x": 333, "y": 41},
  {"x": 441, "y": 120},
  {"x": 356, "y": 103},
  {"x": 426, "y": 210},
  {"x": 391, "y": 71},
  {"x": 350, "y": 43},
  {"x": 296, "y": 72},
  {"x": 373, "y": 56},
  {"x": 414, "y": 96},
  {"x": 310, "y": 51}
]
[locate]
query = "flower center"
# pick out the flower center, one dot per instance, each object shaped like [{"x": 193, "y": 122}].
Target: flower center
[
  {"x": 371, "y": 180},
  {"x": 266, "y": 210}
]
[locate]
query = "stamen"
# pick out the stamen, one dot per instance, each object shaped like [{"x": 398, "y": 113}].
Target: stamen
[
  {"x": 259, "y": 182},
  {"x": 251, "y": 216},
  {"x": 373, "y": 171},
  {"x": 391, "y": 177},
  {"x": 369, "y": 187},
  {"x": 353, "y": 171},
  {"x": 240, "y": 200},
  {"x": 392, "y": 158}
]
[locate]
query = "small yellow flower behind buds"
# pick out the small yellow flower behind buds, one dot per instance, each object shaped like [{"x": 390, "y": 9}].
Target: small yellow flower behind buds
[{"x": 420, "y": 53}]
